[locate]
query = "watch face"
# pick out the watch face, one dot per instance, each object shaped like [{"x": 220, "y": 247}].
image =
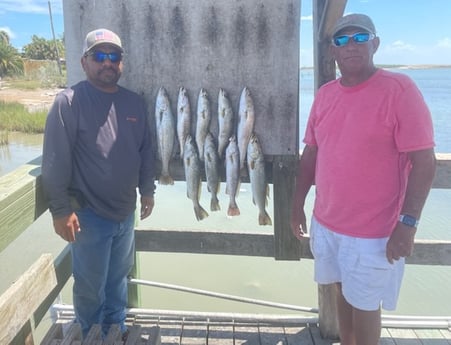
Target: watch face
[{"x": 408, "y": 220}]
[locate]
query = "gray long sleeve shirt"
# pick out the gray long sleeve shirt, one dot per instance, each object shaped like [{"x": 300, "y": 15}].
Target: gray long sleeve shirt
[{"x": 97, "y": 151}]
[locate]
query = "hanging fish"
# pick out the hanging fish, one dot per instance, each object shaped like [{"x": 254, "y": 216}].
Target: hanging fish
[
  {"x": 259, "y": 186},
  {"x": 183, "y": 118},
  {"x": 225, "y": 121},
  {"x": 211, "y": 161},
  {"x": 202, "y": 121},
  {"x": 232, "y": 175},
  {"x": 165, "y": 130},
  {"x": 192, "y": 167},
  {"x": 246, "y": 118}
]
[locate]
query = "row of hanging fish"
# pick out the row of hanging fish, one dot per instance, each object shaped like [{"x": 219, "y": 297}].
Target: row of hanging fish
[{"x": 202, "y": 151}]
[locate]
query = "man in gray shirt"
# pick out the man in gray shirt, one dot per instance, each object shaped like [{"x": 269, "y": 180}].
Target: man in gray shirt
[{"x": 97, "y": 152}]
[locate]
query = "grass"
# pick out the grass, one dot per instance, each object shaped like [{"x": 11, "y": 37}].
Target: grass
[
  {"x": 16, "y": 117},
  {"x": 23, "y": 84}
]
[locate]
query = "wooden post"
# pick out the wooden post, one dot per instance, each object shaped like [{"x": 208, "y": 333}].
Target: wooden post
[
  {"x": 286, "y": 247},
  {"x": 134, "y": 295},
  {"x": 325, "y": 14}
]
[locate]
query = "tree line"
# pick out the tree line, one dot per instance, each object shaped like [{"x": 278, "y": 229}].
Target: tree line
[{"x": 11, "y": 60}]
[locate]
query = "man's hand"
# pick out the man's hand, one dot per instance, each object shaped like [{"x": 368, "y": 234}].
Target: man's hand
[
  {"x": 147, "y": 204},
  {"x": 67, "y": 226},
  {"x": 400, "y": 244},
  {"x": 298, "y": 223}
]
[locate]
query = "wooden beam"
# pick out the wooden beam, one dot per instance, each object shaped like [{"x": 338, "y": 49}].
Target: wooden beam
[
  {"x": 19, "y": 302},
  {"x": 443, "y": 174}
]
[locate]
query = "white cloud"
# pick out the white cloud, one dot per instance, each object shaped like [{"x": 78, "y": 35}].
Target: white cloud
[
  {"x": 307, "y": 18},
  {"x": 400, "y": 46},
  {"x": 444, "y": 43},
  {"x": 29, "y": 6},
  {"x": 8, "y": 31}
]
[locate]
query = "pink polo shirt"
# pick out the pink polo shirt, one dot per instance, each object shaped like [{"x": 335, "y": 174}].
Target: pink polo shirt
[{"x": 363, "y": 134}]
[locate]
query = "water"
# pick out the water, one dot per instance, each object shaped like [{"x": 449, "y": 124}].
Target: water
[{"x": 425, "y": 288}]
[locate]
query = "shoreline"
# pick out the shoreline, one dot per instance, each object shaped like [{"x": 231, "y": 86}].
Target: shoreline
[{"x": 420, "y": 66}]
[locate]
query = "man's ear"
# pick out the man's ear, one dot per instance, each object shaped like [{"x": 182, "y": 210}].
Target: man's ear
[{"x": 375, "y": 42}]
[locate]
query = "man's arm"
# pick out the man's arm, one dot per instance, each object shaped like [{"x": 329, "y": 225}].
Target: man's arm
[
  {"x": 305, "y": 178},
  {"x": 419, "y": 183}
]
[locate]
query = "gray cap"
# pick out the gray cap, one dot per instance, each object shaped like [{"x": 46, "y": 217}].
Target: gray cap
[
  {"x": 355, "y": 20},
  {"x": 101, "y": 36}
]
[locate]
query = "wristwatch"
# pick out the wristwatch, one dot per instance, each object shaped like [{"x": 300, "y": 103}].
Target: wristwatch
[{"x": 408, "y": 220}]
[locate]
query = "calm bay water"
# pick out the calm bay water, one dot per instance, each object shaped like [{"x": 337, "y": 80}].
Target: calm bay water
[{"x": 424, "y": 290}]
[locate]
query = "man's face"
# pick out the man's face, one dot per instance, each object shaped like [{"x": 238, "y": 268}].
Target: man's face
[
  {"x": 103, "y": 66},
  {"x": 354, "y": 49}
]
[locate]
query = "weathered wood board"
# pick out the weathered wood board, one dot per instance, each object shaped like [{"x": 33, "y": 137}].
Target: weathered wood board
[{"x": 207, "y": 44}]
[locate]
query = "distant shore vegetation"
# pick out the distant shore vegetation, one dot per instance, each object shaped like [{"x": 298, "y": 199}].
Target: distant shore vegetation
[{"x": 15, "y": 116}]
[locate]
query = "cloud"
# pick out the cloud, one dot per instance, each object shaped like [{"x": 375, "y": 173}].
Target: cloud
[
  {"x": 444, "y": 43},
  {"x": 8, "y": 31},
  {"x": 401, "y": 45},
  {"x": 29, "y": 6},
  {"x": 307, "y": 18}
]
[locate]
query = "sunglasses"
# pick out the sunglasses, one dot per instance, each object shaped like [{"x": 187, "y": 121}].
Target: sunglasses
[
  {"x": 359, "y": 38},
  {"x": 114, "y": 57}
]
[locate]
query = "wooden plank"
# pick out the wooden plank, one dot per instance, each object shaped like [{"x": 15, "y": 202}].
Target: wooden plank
[
  {"x": 270, "y": 335},
  {"x": 220, "y": 334},
  {"x": 245, "y": 334},
  {"x": 328, "y": 322},
  {"x": 284, "y": 172},
  {"x": 94, "y": 336},
  {"x": 427, "y": 252},
  {"x": 19, "y": 302},
  {"x": 21, "y": 201},
  {"x": 298, "y": 335},
  {"x": 431, "y": 337},
  {"x": 55, "y": 332},
  {"x": 154, "y": 336},
  {"x": 73, "y": 334},
  {"x": 194, "y": 333},
  {"x": 203, "y": 242},
  {"x": 319, "y": 339},
  {"x": 171, "y": 331},
  {"x": 443, "y": 174},
  {"x": 404, "y": 336}
]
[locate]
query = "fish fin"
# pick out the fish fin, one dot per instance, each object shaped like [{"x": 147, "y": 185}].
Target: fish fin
[
  {"x": 264, "y": 219},
  {"x": 233, "y": 211},
  {"x": 200, "y": 212},
  {"x": 214, "y": 204},
  {"x": 166, "y": 180}
]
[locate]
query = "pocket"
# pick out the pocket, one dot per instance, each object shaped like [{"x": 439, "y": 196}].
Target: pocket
[
  {"x": 319, "y": 244},
  {"x": 376, "y": 261}
]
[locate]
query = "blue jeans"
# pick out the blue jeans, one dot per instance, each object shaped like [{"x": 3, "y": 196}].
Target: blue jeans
[{"x": 102, "y": 257}]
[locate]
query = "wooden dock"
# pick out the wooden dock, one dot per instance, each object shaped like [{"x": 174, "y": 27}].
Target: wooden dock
[{"x": 186, "y": 330}]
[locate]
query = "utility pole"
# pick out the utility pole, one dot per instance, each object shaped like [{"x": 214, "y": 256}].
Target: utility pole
[{"x": 54, "y": 40}]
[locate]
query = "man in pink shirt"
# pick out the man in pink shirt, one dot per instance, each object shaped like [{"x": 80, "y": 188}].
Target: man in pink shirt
[{"x": 369, "y": 151}]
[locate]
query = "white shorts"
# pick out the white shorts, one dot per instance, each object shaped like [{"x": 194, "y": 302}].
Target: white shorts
[{"x": 368, "y": 280}]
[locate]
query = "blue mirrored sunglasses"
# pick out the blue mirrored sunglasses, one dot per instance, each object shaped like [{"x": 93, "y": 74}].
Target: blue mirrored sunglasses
[
  {"x": 114, "y": 57},
  {"x": 359, "y": 38}
]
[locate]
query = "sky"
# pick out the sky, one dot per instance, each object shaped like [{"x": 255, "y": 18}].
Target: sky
[{"x": 411, "y": 31}]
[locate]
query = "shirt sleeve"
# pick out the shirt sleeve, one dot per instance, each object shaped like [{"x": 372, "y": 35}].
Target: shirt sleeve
[
  {"x": 414, "y": 129},
  {"x": 59, "y": 139}
]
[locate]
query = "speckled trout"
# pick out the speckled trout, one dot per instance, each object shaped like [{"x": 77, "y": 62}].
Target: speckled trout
[
  {"x": 202, "y": 121},
  {"x": 232, "y": 157},
  {"x": 183, "y": 118},
  {"x": 165, "y": 130},
  {"x": 259, "y": 186},
  {"x": 246, "y": 118},
  {"x": 225, "y": 121},
  {"x": 211, "y": 163},
  {"x": 192, "y": 166}
]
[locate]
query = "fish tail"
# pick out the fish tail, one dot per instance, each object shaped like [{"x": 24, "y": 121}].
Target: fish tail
[
  {"x": 233, "y": 211},
  {"x": 200, "y": 212},
  {"x": 166, "y": 180},
  {"x": 214, "y": 204},
  {"x": 264, "y": 219}
]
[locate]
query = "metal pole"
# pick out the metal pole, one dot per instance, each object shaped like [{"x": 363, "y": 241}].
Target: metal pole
[{"x": 54, "y": 40}]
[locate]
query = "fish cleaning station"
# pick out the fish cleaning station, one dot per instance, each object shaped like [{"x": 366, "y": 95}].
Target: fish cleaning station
[{"x": 217, "y": 46}]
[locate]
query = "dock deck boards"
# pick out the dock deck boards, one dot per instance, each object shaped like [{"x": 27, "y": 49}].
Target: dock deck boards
[{"x": 156, "y": 330}]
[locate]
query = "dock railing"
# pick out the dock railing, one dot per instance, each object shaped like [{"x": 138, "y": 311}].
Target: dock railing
[{"x": 22, "y": 202}]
